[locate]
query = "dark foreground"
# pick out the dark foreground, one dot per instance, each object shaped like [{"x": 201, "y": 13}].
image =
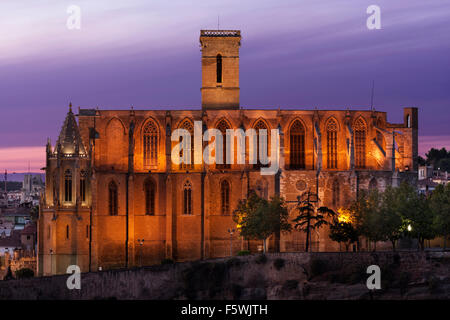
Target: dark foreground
[{"x": 299, "y": 276}]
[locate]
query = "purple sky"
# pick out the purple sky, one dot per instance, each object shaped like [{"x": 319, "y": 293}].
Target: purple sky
[{"x": 294, "y": 54}]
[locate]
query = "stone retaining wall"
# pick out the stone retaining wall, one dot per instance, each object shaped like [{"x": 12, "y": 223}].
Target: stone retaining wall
[{"x": 277, "y": 276}]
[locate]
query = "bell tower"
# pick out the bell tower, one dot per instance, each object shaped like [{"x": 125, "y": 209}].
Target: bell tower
[{"x": 220, "y": 68}]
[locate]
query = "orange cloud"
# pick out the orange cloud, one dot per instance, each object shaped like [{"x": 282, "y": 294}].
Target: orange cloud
[{"x": 16, "y": 159}]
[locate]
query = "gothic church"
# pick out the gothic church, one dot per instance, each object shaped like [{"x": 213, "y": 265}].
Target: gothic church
[{"x": 114, "y": 198}]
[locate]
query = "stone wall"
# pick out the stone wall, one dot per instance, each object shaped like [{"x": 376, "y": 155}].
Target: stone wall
[{"x": 405, "y": 275}]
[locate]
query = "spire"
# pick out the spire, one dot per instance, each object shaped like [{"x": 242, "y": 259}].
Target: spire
[{"x": 69, "y": 142}]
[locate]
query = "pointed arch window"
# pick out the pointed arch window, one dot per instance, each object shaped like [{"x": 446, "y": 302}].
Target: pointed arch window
[
  {"x": 336, "y": 201},
  {"x": 150, "y": 140},
  {"x": 260, "y": 125},
  {"x": 150, "y": 195},
  {"x": 223, "y": 126},
  {"x": 187, "y": 125},
  {"x": 68, "y": 186},
  {"x": 219, "y": 68},
  {"x": 297, "y": 145},
  {"x": 225, "y": 197},
  {"x": 83, "y": 186},
  {"x": 360, "y": 144},
  {"x": 187, "y": 198},
  {"x": 112, "y": 198},
  {"x": 332, "y": 153}
]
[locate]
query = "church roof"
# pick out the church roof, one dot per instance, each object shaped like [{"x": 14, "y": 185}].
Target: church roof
[{"x": 69, "y": 142}]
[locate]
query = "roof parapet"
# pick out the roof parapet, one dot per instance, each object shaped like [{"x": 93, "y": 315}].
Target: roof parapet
[{"x": 220, "y": 33}]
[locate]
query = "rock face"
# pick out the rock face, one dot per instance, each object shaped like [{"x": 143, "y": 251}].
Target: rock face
[{"x": 287, "y": 276}]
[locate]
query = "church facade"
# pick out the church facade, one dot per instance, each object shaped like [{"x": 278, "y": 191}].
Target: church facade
[{"x": 115, "y": 199}]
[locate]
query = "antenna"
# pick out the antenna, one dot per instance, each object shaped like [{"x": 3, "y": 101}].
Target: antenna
[
  {"x": 6, "y": 179},
  {"x": 371, "y": 99},
  {"x": 218, "y": 22}
]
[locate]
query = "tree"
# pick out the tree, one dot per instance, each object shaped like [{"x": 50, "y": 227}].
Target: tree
[
  {"x": 9, "y": 274},
  {"x": 343, "y": 232},
  {"x": 421, "y": 161},
  {"x": 34, "y": 212},
  {"x": 366, "y": 210},
  {"x": 308, "y": 219},
  {"x": 390, "y": 217},
  {"x": 438, "y": 158},
  {"x": 258, "y": 218},
  {"x": 440, "y": 207},
  {"x": 24, "y": 273},
  {"x": 415, "y": 212}
]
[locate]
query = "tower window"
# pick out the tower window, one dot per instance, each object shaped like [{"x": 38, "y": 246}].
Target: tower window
[
  {"x": 112, "y": 201},
  {"x": 149, "y": 188},
  {"x": 67, "y": 232},
  {"x": 225, "y": 195},
  {"x": 68, "y": 186},
  {"x": 219, "y": 68},
  {"x": 297, "y": 145},
  {"x": 150, "y": 141},
  {"x": 332, "y": 144},
  {"x": 187, "y": 198}
]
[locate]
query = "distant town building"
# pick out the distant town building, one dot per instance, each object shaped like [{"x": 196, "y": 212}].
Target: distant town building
[
  {"x": 429, "y": 179},
  {"x": 31, "y": 189}
]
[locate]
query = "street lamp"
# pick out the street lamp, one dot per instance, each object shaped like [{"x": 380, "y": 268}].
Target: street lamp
[
  {"x": 141, "y": 243},
  {"x": 231, "y": 231}
]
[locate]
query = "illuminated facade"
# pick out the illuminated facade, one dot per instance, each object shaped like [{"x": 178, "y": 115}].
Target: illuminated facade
[{"x": 110, "y": 181}]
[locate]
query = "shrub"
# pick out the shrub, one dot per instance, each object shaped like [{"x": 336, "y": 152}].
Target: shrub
[
  {"x": 278, "y": 264},
  {"x": 318, "y": 267},
  {"x": 261, "y": 259},
  {"x": 243, "y": 253},
  {"x": 24, "y": 273},
  {"x": 167, "y": 261}
]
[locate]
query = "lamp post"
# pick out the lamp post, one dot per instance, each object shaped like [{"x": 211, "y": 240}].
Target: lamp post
[
  {"x": 141, "y": 243},
  {"x": 231, "y": 231}
]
